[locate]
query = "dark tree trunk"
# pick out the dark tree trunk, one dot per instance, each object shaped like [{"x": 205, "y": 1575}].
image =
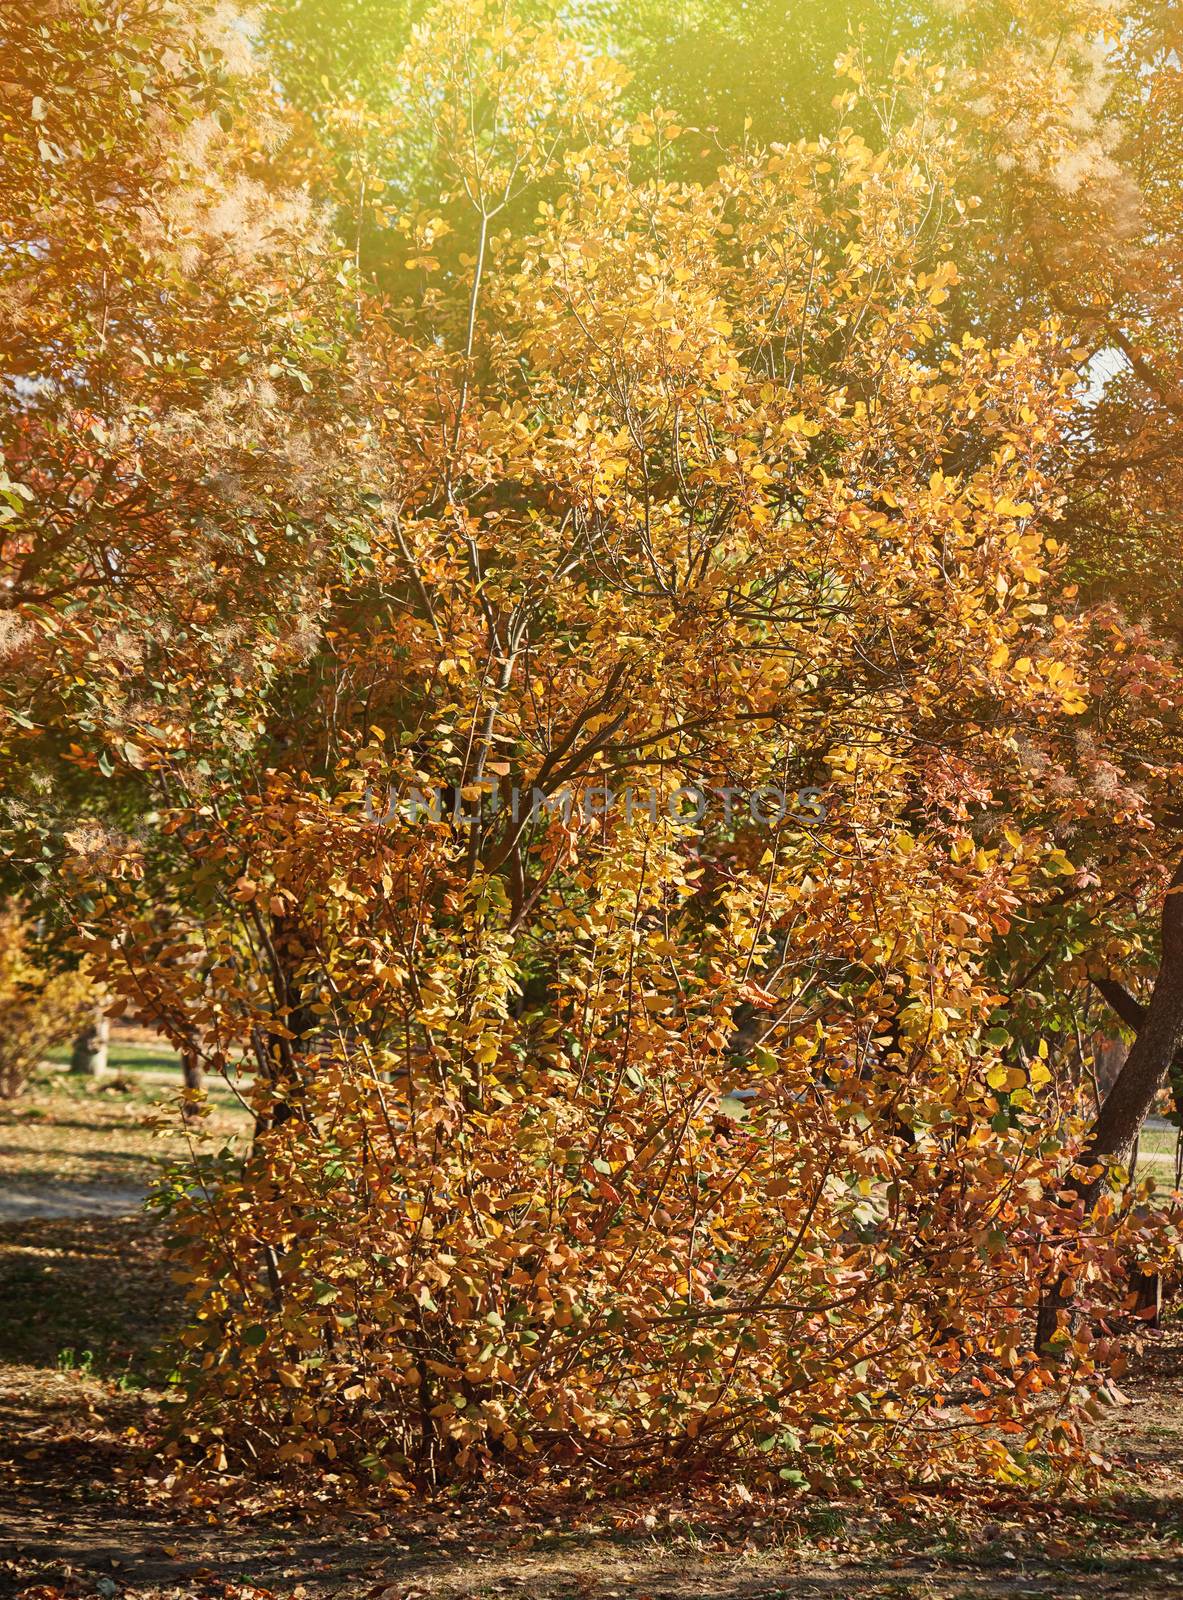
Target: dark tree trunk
[
  {"x": 281, "y": 1056},
  {"x": 1133, "y": 1013},
  {"x": 1120, "y": 1118},
  {"x": 1147, "y": 1291},
  {"x": 191, "y": 1073}
]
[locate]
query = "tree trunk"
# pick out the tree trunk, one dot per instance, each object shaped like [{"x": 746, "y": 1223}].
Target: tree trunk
[
  {"x": 1133, "y": 1013},
  {"x": 89, "y": 1056},
  {"x": 1120, "y": 1118},
  {"x": 194, "y": 1077},
  {"x": 1147, "y": 1291},
  {"x": 191, "y": 1070},
  {"x": 281, "y": 1055}
]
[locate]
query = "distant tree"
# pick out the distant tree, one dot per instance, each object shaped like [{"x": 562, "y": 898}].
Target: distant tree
[
  {"x": 88, "y": 1057},
  {"x": 39, "y": 1007}
]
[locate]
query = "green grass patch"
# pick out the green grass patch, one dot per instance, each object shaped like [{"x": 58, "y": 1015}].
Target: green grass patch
[{"x": 127, "y": 1058}]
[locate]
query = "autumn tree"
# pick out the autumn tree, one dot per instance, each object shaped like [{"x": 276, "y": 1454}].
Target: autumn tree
[
  {"x": 431, "y": 613},
  {"x": 39, "y": 1007},
  {"x": 171, "y": 311},
  {"x": 685, "y": 485}
]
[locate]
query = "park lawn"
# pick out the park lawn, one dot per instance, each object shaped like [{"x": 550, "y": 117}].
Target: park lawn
[
  {"x": 1158, "y": 1139},
  {"x": 123, "y": 1057},
  {"x": 129, "y": 1055},
  {"x": 87, "y": 1302}
]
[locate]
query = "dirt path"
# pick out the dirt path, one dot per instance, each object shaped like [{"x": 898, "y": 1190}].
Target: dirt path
[
  {"x": 70, "y": 1200},
  {"x": 86, "y": 1298}
]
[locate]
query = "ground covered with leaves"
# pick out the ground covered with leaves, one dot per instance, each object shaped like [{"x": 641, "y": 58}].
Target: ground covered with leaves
[{"x": 87, "y": 1301}]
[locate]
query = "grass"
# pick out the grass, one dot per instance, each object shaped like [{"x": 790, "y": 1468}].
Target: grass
[
  {"x": 1158, "y": 1140},
  {"x": 151, "y": 1054},
  {"x": 127, "y": 1058}
]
